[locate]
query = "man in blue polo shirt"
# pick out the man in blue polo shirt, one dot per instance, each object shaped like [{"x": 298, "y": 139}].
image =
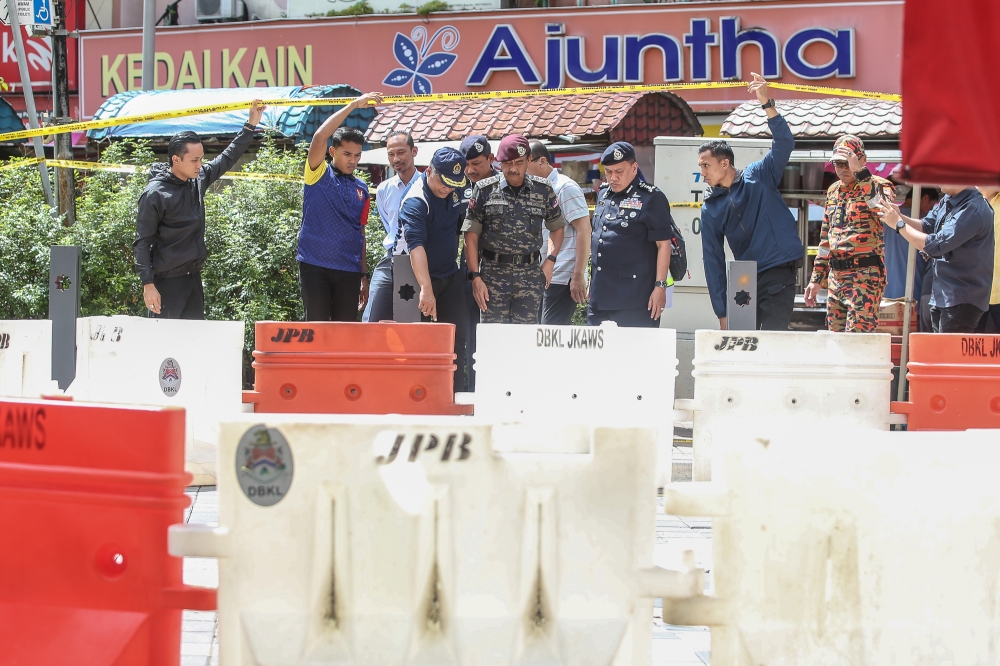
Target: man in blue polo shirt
[
  {"x": 430, "y": 219},
  {"x": 331, "y": 251}
]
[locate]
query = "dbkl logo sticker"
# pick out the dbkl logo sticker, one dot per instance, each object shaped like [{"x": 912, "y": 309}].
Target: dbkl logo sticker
[{"x": 417, "y": 63}]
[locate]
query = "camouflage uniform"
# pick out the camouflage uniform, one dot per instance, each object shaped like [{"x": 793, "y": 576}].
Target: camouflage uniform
[
  {"x": 851, "y": 229},
  {"x": 512, "y": 225}
]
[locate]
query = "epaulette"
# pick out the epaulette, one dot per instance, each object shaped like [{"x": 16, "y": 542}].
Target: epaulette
[
  {"x": 603, "y": 185},
  {"x": 537, "y": 179},
  {"x": 492, "y": 180},
  {"x": 649, "y": 187}
]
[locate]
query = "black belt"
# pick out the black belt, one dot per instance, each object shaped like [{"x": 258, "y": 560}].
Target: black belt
[
  {"x": 855, "y": 262},
  {"x": 511, "y": 258}
]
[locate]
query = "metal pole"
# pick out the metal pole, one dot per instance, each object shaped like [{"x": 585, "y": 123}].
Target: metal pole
[
  {"x": 148, "y": 43},
  {"x": 29, "y": 96},
  {"x": 60, "y": 109},
  {"x": 911, "y": 261}
]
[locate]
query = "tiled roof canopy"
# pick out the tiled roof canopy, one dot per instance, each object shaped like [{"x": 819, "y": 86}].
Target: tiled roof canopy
[
  {"x": 820, "y": 118},
  {"x": 636, "y": 118}
]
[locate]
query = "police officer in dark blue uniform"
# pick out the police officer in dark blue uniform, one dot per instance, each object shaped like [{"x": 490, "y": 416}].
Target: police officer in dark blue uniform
[
  {"x": 478, "y": 165},
  {"x": 630, "y": 246}
]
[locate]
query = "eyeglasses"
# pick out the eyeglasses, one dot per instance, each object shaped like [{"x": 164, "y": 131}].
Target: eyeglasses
[{"x": 839, "y": 164}]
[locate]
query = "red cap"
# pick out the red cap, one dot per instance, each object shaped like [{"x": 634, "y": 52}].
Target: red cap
[{"x": 512, "y": 147}]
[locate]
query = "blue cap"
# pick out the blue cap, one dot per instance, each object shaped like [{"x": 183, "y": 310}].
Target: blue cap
[
  {"x": 617, "y": 152},
  {"x": 475, "y": 146},
  {"x": 450, "y": 165}
]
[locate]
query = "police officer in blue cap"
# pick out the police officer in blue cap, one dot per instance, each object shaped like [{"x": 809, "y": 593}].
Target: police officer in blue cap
[
  {"x": 630, "y": 246},
  {"x": 430, "y": 220},
  {"x": 478, "y": 166}
]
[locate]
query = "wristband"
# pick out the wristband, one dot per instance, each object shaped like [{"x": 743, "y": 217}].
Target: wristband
[
  {"x": 552, "y": 257},
  {"x": 768, "y": 105}
]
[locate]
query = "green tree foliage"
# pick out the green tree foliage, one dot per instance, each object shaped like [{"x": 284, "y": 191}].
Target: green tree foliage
[
  {"x": 105, "y": 228},
  {"x": 27, "y": 230},
  {"x": 251, "y": 234}
]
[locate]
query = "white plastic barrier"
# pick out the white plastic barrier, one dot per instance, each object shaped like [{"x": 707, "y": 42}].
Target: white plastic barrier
[
  {"x": 26, "y": 358},
  {"x": 433, "y": 540},
  {"x": 192, "y": 364},
  {"x": 770, "y": 380},
  {"x": 600, "y": 375},
  {"x": 850, "y": 547}
]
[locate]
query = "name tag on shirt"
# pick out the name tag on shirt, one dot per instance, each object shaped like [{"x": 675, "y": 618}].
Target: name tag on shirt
[{"x": 634, "y": 204}]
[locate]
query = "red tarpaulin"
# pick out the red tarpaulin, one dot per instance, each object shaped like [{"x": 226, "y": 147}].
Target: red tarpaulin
[{"x": 951, "y": 92}]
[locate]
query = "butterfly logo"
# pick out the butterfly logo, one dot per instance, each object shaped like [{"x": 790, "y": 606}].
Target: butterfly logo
[{"x": 417, "y": 63}]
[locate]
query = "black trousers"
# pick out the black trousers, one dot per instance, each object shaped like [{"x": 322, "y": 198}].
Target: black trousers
[
  {"x": 994, "y": 314},
  {"x": 181, "y": 297},
  {"x": 775, "y": 297},
  {"x": 329, "y": 294},
  {"x": 558, "y": 306},
  {"x": 634, "y": 318},
  {"x": 472, "y": 310},
  {"x": 961, "y": 318},
  {"x": 449, "y": 293}
]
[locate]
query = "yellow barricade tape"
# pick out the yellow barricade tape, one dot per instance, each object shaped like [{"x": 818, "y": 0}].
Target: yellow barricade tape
[
  {"x": 23, "y": 163},
  {"x": 435, "y": 97},
  {"x": 686, "y": 204},
  {"x": 131, "y": 168}
]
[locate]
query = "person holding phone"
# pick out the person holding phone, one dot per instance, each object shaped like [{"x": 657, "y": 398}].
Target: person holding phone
[{"x": 851, "y": 256}]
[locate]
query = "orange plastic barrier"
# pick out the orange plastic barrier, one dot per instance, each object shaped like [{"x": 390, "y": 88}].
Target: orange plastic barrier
[
  {"x": 954, "y": 382},
  {"x": 353, "y": 368},
  {"x": 87, "y": 493}
]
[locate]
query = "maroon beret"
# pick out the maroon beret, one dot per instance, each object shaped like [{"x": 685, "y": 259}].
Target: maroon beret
[{"x": 512, "y": 147}]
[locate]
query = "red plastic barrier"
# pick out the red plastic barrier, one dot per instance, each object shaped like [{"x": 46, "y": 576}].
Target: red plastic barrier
[
  {"x": 954, "y": 382},
  {"x": 87, "y": 493},
  {"x": 354, "y": 368}
]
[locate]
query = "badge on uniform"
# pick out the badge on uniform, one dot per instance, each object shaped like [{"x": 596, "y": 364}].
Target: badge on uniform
[
  {"x": 633, "y": 203},
  {"x": 624, "y": 223}
]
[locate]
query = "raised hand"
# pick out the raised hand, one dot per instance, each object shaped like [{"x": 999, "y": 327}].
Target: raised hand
[{"x": 759, "y": 87}]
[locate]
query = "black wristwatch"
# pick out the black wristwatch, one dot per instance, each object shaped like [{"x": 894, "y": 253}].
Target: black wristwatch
[
  {"x": 900, "y": 223},
  {"x": 864, "y": 174},
  {"x": 250, "y": 128},
  {"x": 472, "y": 275},
  {"x": 662, "y": 284},
  {"x": 552, "y": 257},
  {"x": 768, "y": 105}
]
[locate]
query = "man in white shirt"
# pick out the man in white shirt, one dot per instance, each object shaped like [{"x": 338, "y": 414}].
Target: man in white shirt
[
  {"x": 388, "y": 196},
  {"x": 569, "y": 281}
]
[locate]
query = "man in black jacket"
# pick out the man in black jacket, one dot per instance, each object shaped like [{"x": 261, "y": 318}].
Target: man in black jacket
[{"x": 170, "y": 227}]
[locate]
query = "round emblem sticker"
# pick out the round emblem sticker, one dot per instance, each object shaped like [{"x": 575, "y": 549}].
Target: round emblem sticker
[
  {"x": 170, "y": 377},
  {"x": 264, "y": 465}
]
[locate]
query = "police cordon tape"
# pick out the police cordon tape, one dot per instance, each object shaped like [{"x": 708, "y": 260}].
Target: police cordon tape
[
  {"x": 234, "y": 175},
  {"x": 434, "y": 97},
  {"x": 132, "y": 168}
]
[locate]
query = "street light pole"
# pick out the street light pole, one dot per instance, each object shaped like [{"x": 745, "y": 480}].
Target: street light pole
[
  {"x": 60, "y": 97},
  {"x": 148, "y": 44},
  {"x": 29, "y": 96}
]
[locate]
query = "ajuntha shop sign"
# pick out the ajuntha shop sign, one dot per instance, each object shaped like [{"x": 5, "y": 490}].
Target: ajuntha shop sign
[{"x": 842, "y": 44}]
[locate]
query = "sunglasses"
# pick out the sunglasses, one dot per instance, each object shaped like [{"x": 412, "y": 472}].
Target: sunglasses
[{"x": 840, "y": 164}]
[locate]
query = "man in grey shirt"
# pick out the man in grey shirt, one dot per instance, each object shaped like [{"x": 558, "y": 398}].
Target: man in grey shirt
[{"x": 958, "y": 236}]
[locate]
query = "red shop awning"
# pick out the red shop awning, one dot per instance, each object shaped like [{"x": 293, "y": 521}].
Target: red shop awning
[{"x": 951, "y": 92}]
